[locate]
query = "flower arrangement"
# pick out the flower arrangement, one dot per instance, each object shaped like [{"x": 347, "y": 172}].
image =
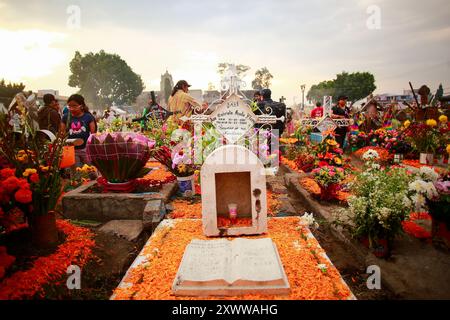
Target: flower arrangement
[
  {"x": 423, "y": 137},
  {"x": 179, "y": 163},
  {"x": 119, "y": 157},
  {"x": 378, "y": 205},
  {"x": 328, "y": 175},
  {"x": 328, "y": 151},
  {"x": 36, "y": 180}
]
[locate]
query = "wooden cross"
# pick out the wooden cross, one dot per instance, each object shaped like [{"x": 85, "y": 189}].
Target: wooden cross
[{"x": 282, "y": 99}]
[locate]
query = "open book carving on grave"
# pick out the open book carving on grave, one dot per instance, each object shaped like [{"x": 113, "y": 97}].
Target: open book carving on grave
[
  {"x": 234, "y": 191},
  {"x": 223, "y": 267}
]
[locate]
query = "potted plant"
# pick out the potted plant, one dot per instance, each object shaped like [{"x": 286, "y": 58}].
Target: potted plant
[
  {"x": 424, "y": 138},
  {"x": 179, "y": 162},
  {"x": 34, "y": 181},
  {"x": 432, "y": 191},
  {"x": 377, "y": 207},
  {"x": 120, "y": 158},
  {"x": 328, "y": 178}
]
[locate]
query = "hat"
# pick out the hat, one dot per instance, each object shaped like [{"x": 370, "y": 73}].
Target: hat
[
  {"x": 182, "y": 83},
  {"x": 266, "y": 93},
  {"x": 342, "y": 98}
]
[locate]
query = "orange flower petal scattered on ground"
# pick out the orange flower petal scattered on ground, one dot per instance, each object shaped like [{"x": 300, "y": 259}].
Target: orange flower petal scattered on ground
[
  {"x": 183, "y": 209},
  {"x": 291, "y": 164},
  {"x": 273, "y": 204},
  {"x": 161, "y": 174},
  {"x": 227, "y": 223},
  {"x": 310, "y": 185},
  {"x": 418, "y": 165},
  {"x": 76, "y": 250},
  {"x": 153, "y": 279}
]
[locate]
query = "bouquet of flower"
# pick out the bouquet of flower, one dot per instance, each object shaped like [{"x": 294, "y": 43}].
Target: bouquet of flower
[
  {"x": 358, "y": 139},
  {"x": 328, "y": 151},
  {"x": 328, "y": 175},
  {"x": 178, "y": 162},
  {"x": 379, "y": 204},
  {"x": 424, "y": 137},
  {"x": 119, "y": 157}
]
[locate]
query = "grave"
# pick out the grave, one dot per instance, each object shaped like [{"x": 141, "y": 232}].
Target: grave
[
  {"x": 233, "y": 175},
  {"x": 227, "y": 268}
]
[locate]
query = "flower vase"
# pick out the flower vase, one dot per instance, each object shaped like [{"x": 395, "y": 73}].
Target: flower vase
[
  {"x": 398, "y": 157},
  {"x": 426, "y": 158},
  {"x": 44, "y": 231},
  {"x": 380, "y": 248},
  {"x": 186, "y": 185},
  {"x": 122, "y": 187},
  {"x": 440, "y": 160},
  {"x": 329, "y": 192}
]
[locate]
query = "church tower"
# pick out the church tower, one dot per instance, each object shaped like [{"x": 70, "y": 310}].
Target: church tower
[{"x": 166, "y": 87}]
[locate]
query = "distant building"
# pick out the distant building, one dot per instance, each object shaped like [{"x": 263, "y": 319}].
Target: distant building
[{"x": 61, "y": 99}]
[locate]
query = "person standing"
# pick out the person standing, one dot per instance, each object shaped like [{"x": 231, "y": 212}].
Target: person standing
[
  {"x": 181, "y": 103},
  {"x": 317, "y": 112},
  {"x": 80, "y": 124},
  {"x": 340, "y": 112},
  {"x": 48, "y": 116}
]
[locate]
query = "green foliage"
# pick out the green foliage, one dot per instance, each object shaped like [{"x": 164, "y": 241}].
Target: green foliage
[
  {"x": 8, "y": 91},
  {"x": 263, "y": 79},
  {"x": 356, "y": 86},
  {"x": 104, "y": 78},
  {"x": 379, "y": 203}
]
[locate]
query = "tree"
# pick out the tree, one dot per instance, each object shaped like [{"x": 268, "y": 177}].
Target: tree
[
  {"x": 318, "y": 91},
  {"x": 240, "y": 68},
  {"x": 104, "y": 79},
  {"x": 263, "y": 79},
  {"x": 355, "y": 86},
  {"x": 9, "y": 91}
]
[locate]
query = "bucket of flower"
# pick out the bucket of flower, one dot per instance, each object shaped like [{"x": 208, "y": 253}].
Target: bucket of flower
[
  {"x": 179, "y": 162},
  {"x": 120, "y": 158},
  {"x": 437, "y": 194},
  {"x": 328, "y": 178},
  {"x": 424, "y": 138},
  {"x": 379, "y": 203}
]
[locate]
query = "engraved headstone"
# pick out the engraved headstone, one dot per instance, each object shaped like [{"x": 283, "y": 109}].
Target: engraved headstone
[{"x": 223, "y": 268}]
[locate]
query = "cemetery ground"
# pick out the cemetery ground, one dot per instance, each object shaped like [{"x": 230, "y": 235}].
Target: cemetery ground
[{"x": 416, "y": 269}]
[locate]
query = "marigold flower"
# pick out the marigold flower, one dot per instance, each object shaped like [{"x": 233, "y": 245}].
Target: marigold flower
[
  {"x": 23, "y": 196},
  {"x": 7, "y": 172},
  {"x": 431, "y": 123},
  {"x": 11, "y": 184},
  {"x": 28, "y": 172},
  {"x": 34, "y": 178},
  {"x": 448, "y": 149},
  {"x": 407, "y": 123},
  {"x": 44, "y": 169},
  {"x": 443, "y": 119}
]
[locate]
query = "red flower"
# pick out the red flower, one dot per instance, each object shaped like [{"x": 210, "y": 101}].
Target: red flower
[
  {"x": 24, "y": 196},
  {"x": 23, "y": 184},
  {"x": 7, "y": 172},
  {"x": 323, "y": 164},
  {"x": 11, "y": 184},
  {"x": 34, "y": 178}
]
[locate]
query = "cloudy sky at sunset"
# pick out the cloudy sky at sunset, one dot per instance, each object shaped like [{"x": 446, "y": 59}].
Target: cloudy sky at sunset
[{"x": 298, "y": 41}]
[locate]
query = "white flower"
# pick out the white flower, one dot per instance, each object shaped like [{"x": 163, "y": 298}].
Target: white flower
[
  {"x": 407, "y": 202},
  {"x": 376, "y": 166},
  {"x": 370, "y": 155},
  {"x": 428, "y": 174},
  {"x": 308, "y": 220}
]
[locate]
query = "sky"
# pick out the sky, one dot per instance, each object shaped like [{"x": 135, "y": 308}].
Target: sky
[{"x": 299, "y": 41}]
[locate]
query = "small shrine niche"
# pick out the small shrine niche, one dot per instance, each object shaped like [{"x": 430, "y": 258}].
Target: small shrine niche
[{"x": 234, "y": 193}]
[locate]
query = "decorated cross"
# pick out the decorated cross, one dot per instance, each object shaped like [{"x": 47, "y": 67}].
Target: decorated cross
[
  {"x": 326, "y": 124},
  {"x": 232, "y": 116}
]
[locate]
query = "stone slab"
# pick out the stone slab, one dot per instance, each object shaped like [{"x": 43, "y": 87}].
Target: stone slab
[
  {"x": 126, "y": 229},
  {"x": 154, "y": 212},
  {"x": 110, "y": 206}
]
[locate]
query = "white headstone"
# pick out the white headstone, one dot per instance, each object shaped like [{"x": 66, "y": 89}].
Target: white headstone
[{"x": 233, "y": 174}]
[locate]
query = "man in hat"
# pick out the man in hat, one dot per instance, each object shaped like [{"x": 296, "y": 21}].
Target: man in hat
[
  {"x": 180, "y": 102},
  {"x": 371, "y": 118},
  {"x": 340, "y": 112},
  {"x": 48, "y": 116}
]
